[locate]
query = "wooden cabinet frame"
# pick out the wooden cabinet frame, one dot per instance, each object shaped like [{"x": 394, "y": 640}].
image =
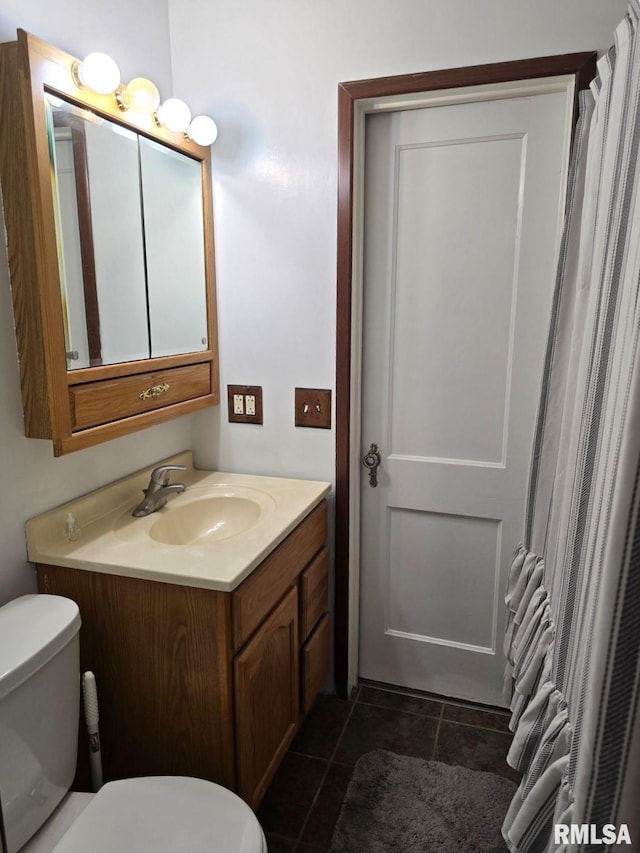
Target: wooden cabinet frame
[{"x": 29, "y": 68}]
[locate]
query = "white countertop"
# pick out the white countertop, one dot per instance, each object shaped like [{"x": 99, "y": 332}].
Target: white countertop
[{"x": 110, "y": 540}]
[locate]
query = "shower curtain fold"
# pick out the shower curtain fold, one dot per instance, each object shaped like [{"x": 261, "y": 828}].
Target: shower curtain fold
[
  {"x": 530, "y": 728},
  {"x": 573, "y": 634}
]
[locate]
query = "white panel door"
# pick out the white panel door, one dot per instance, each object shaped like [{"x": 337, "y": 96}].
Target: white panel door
[{"x": 463, "y": 209}]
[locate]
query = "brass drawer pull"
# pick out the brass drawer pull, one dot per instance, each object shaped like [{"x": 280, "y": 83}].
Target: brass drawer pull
[{"x": 154, "y": 391}]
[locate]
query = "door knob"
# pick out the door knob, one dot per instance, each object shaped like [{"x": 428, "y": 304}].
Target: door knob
[{"x": 371, "y": 460}]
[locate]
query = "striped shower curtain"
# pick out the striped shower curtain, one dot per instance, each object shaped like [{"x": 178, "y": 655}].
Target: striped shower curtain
[{"x": 573, "y": 638}]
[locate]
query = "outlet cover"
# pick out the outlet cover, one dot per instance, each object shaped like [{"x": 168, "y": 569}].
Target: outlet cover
[
  {"x": 245, "y": 404},
  {"x": 313, "y": 407}
]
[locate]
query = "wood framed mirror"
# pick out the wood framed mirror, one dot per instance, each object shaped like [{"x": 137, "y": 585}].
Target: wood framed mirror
[{"x": 110, "y": 234}]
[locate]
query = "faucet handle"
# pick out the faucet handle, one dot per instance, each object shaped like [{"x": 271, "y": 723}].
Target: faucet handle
[{"x": 160, "y": 475}]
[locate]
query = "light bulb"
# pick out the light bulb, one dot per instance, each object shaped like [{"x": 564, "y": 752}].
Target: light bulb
[
  {"x": 140, "y": 95},
  {"x": 174, "y": 114},
  {"x": 203, "y": 130},
  {"x": 98, "y": 72}
]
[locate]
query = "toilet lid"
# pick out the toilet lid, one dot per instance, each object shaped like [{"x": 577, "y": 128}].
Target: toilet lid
[{"x": 164, "y": 814}]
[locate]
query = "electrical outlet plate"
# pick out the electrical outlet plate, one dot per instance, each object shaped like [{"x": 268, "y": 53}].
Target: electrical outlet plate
[
  {"x": 245, "y": 404},
  {"x": 313, "y": 407}
]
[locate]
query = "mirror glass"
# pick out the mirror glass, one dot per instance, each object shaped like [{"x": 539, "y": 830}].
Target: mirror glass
[
  {"x": 129, "y": 219},
  {"x": 174, "y": 239}
]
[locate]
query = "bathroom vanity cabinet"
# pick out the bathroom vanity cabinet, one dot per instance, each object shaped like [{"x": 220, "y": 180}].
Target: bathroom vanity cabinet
[{"x": 201, "y": 682}]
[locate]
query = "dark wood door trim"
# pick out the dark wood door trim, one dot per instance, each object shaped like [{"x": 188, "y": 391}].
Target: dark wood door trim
[{"x": 582, "y": 67}]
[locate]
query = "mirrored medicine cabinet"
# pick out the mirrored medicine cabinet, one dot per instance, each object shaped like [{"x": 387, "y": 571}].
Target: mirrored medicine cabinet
[{"x": 110, "y": 235}]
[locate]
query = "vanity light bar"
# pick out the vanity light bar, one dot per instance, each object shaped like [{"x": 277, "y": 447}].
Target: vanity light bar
[
  {"x": 97, "y": 71},
  {"x": 203, "y": 130},
  {"x": 174, "y": 114},
  {"x": 139, "y": 94},
  {"x": 101, "y": 74}
]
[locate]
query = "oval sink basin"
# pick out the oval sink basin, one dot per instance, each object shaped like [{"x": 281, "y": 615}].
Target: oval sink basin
[{"x": 205, "y": 519}]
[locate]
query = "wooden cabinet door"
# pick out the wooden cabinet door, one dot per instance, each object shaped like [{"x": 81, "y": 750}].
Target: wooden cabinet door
[{"x": 266, "y": 696}]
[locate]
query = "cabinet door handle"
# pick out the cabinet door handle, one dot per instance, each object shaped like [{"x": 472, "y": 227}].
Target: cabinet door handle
[{"x": 154, "y": 391}]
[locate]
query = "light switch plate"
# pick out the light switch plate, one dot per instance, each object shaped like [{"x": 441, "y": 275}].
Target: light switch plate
[
  {"x": 313, "y": 407},
  {"x": 245, "y": 404}
]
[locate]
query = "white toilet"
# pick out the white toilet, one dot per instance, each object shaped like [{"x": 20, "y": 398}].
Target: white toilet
[{"x": 39, "y": 708}]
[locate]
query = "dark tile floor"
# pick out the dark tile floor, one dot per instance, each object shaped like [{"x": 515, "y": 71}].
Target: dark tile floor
[{"x": 302, "y": 804}]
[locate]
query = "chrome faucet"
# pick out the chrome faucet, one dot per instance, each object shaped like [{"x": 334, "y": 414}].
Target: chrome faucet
[{"x": 159, "y": 489}]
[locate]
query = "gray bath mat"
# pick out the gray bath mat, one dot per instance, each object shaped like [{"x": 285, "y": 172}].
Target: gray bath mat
[{"x": 398, "y": 804}]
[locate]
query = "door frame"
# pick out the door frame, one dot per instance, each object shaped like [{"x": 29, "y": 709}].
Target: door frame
[{"x": 355, "y": 100}]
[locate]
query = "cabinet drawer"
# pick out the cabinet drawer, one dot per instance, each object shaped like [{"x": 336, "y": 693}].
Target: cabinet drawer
[
  {"x": 315, "y": 662},
  {"x": 96, "y": 403},
  {"x": 314, "y": 593},
  {"x": 262, "y": 590}
]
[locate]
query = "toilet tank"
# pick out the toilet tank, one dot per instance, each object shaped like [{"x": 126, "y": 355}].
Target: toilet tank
[{"x": 39, "y": 708}]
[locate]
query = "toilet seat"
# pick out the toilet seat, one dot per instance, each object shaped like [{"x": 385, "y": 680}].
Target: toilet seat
[{"x": 164, "y": 814}]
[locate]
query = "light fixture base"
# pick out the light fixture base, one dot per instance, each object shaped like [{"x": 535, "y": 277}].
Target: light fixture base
[
  {"x": 75, "y": 74},
  {"x": 120, "y": 99}
]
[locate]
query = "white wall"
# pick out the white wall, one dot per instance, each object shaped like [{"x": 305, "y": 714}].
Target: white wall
[
  {"x": 268, "y": 72},
  {"x": 31, "y": 479}
]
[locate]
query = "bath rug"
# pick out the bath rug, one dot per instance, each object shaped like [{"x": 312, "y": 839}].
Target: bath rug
[{"x": 399, "y": 804}]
